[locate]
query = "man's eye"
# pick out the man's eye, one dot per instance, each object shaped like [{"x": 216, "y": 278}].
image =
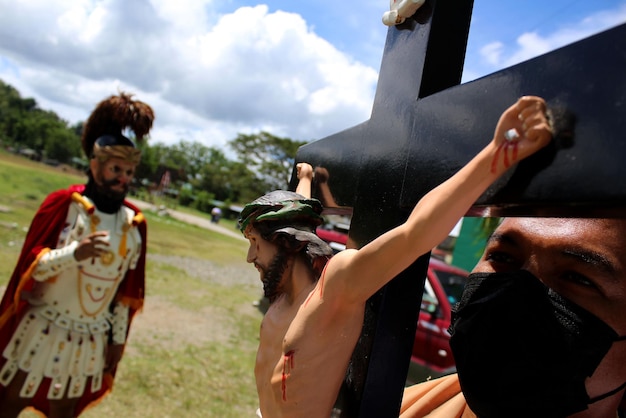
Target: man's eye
[
  {"x": 499, "y": 257},
  {"x": 573, "y": 277}
]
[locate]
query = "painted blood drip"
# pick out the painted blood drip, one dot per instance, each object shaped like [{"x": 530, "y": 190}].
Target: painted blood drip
[
  {"x": 504, "y": 148},
  {"x": 287, "y": 367},
  {"x": 494, "y": 162},
  {"x": 321, "y": 289}
]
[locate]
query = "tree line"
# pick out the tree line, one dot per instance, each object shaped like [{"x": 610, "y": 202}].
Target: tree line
[{"x": 198, "y": 174}]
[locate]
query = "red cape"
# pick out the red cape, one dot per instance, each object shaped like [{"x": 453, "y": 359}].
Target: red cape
[{"x": 43, "y": 233}]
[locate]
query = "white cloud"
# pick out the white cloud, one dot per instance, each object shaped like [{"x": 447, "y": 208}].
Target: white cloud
[
  {"x": 492, "y": 52},
  {"x": 532, "y": 44},
  {"x": 208, "y": 76}
]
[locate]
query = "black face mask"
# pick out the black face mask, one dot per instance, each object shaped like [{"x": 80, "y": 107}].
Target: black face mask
[{"x": 523, "y": 350}]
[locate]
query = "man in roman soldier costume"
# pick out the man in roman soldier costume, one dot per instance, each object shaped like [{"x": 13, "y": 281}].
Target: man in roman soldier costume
[{"x": 79, "y": 280}]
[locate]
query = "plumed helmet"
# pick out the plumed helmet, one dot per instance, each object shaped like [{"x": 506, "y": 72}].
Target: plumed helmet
[
  {"x": 103, "y": 132},
  {"x": 115, "y": 146},
  {"x": 287, "y": 213}
]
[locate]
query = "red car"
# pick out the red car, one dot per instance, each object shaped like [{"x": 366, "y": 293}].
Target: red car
[
  {"x": 335, "y": 234},
  {"x": 431, "y": 356}
]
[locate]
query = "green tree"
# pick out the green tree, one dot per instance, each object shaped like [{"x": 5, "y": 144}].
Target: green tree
[
  {"x": 243, "y": 184},
  {"x": 62, "y": 145},
  {"x": 8, "y": 112},
  {"x": 270, "y": 157},
  {"x": 24, "y": 125},
  {"x": 224, "y": 179},
  {"x": 264, "y": 161},
  {"x": 45, "y": 132},
  {"x": 151, "y": 155},
  {"x": 190, "y": 156}
]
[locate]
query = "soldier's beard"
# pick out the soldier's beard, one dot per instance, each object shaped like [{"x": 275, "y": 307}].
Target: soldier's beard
[
  {"x": 273, "y": 275},
  {"x": 104, "y": 197},
  {"x": 105, "y": 188}
]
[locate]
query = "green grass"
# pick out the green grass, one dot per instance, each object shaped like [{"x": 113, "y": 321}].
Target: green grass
[
  {"x": 174, "y": 237},
  {"x": 191, "y": 351},
  {"x": 23, "y": 186}
]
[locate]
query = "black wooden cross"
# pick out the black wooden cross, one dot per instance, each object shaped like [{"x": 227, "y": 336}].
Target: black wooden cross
[{"x": 424, "y": 126}]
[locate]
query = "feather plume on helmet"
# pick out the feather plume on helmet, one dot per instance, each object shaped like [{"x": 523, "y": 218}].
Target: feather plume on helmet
[{"x": 103, "y": 132}]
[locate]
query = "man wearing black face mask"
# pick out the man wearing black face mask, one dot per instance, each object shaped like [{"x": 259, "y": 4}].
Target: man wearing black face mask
[
  {"x": 540, "y": 330},
  {"x": 79, "y": 280}
]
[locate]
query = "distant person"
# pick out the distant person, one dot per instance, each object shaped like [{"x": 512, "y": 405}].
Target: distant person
[
  {"x": 79, "y": 280},
  {"x": 317, "y": 306},
  {"x": 216, "y": 214}
]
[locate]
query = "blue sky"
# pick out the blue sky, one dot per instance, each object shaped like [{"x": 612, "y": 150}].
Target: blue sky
[
  {"x": 360, "y": 34},
  {"x": 212, "y": 69}
]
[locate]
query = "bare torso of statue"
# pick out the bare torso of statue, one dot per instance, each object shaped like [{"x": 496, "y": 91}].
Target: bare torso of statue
[{"x": 304, "y": 350}]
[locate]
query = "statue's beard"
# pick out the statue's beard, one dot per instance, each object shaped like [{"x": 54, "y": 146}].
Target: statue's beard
[
  {"x": 105, "y": 188},
  {"x": 273, "y": 275},
  {"x": 103, "y": 196}
]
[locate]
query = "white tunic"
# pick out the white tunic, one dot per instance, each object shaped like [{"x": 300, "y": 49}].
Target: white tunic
[{"x": 65, "y": 333}]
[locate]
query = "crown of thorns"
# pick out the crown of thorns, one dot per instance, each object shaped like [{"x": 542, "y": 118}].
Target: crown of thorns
[{"x": 282, "y": 206}]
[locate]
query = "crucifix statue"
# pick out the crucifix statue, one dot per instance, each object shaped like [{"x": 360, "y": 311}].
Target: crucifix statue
[{"x": 425, "y": 125}]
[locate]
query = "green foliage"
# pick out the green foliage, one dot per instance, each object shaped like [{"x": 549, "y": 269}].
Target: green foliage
[
  {"x": 203, "y": 201},
  {"x": 264, "y": 161},
  {"x": 244, "y": 186},
  {"x": 23, "y": 186},
  {"x": 185, "y": 197},
  {"x": 270, "y": 157},
  {"x": 150, "y": 161},
  {"x": 226, "y": 180},
  {"x": 190, "y": 157},
  {"x": 61, "y": 145},
  {"x": 24, "y": 125}
]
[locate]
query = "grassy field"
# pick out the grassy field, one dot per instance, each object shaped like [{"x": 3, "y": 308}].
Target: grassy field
[{"x": 191, "y": 350}]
